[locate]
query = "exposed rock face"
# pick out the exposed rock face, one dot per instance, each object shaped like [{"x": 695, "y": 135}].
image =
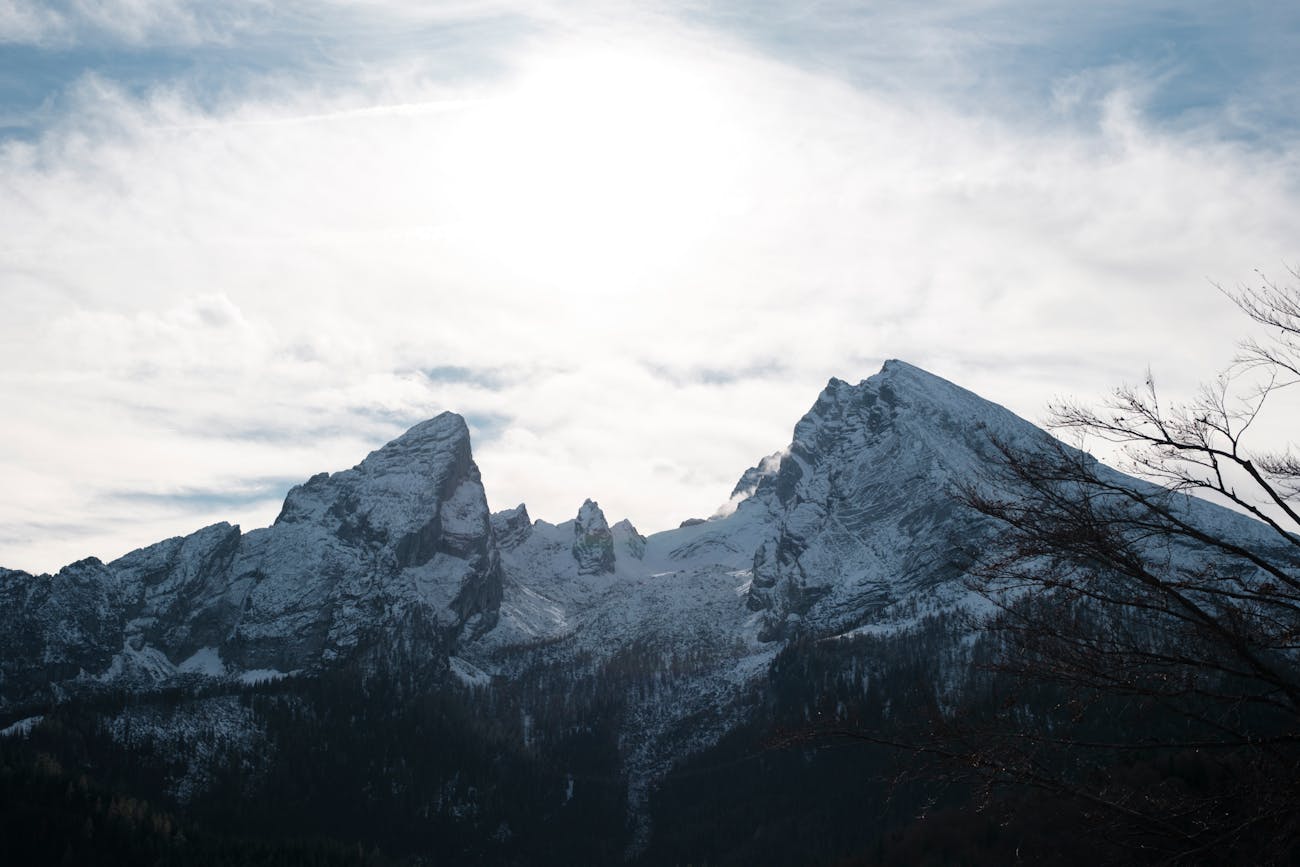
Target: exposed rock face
[
  {"x": 178, "y": 591},
  {"x": 512, "y": 526},
  {"x": 404, "y": 533},
  {"x": 861, "y": 499},
  {"x": 593, "y": 543},
  {"x": 401, "y": 541},
  {"x": 752, "y": 477},
  {"x": 56, "y": 627}
]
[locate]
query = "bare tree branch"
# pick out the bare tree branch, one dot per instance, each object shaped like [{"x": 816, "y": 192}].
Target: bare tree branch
[{"x": 1159, "y": 624}]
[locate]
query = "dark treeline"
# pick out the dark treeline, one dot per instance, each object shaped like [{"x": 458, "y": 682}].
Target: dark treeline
[
  {"x": 379, "y": 767},
  {"x": 442, "y": 775},
  {"x": 50, "y": 814}
]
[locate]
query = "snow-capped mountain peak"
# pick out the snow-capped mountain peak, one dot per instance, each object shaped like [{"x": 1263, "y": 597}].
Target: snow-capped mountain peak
[
  {"x": 860, "y": 502},
  {"x": 852, "y": 515}
]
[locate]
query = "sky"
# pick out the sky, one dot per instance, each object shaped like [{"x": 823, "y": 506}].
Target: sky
[{"x": 243, "y": 241}]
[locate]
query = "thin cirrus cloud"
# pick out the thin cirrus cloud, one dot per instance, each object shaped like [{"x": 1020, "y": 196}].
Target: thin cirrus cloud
[{"x": 628, "y": 246}]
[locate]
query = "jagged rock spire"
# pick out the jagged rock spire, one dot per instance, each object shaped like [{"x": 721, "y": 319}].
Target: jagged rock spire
[{"x": 593, "y": 542}]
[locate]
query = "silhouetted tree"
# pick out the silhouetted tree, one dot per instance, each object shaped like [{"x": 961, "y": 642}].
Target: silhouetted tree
[{"x": 1144, "y": 650}]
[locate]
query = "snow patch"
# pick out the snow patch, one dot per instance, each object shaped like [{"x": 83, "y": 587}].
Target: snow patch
[
  {"x": 22, "y": 727},
  {"x": 468, "y": 673},
  {"x": 148, "y": 661},
  {"x": 261, "y": 675},
  {"x": 206, "y": 661}
]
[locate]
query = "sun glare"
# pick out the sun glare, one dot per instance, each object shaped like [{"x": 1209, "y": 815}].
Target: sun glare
[{"x": 579, "y": 168}]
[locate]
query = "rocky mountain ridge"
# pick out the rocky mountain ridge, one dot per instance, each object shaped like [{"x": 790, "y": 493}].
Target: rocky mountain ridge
[
  {"x": 853, "y": 516},
  {"x": 852, "y": 526},
  {"x": 403, "y": 540}
]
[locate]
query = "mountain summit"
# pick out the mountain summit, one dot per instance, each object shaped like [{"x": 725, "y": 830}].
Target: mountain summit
[
  {"x": 402, "y": 540},
  {"x": 858, "y": 507},
  {"x": 852, "y": 513}
]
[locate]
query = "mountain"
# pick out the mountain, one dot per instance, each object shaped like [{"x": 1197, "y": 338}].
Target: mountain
[
  {"x": 574, "y": 640},
  {"x": 840, "y": 524},
  {"x": 403, "y": 540}
]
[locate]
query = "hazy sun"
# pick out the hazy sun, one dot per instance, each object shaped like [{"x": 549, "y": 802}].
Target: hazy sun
[{"x": 600, "y": 159}]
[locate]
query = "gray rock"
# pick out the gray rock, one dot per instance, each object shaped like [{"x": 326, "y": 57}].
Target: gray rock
[
  {"x": 401, "y": 542},
  {"x": 593, "y": 542}
]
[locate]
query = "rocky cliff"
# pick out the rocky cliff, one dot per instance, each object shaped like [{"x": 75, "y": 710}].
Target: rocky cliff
[{"x": 402, "y": 540}]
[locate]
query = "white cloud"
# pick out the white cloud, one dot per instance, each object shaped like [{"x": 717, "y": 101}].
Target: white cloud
[
  {"x": 200, "y": 297},
  {"x": 27, "y": 22},
  {"x": 133, "y": 22},
  {"x": 160, "y": 23}
]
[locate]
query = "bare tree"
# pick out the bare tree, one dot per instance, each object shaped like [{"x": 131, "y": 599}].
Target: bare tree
[{"x": 1145, "y": 645}]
